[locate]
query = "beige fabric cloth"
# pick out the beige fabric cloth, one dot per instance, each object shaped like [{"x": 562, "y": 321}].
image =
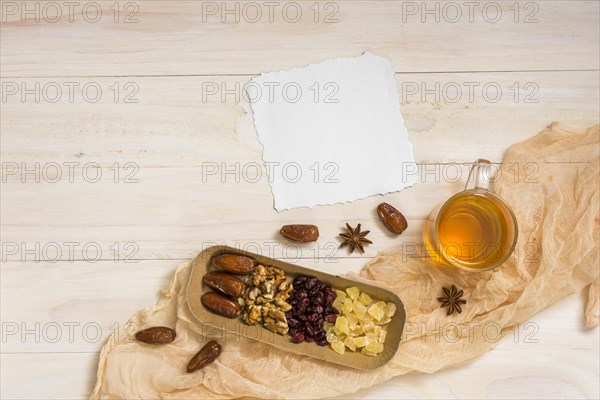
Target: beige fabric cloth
[{"x": 558, "y": 220}]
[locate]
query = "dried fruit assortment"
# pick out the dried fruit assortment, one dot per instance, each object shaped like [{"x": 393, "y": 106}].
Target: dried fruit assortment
[
  {"x": 305, "y": 308},
  {"x": 311, "y": 302},
  {"x": 360, "y": 323}
]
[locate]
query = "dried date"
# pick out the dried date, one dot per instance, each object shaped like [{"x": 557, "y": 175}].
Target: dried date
[
  {"x": 156, "y": 335},
  {"x": 225, "y": 283},
  {"x": 205, "y": 356},
  {"x": 392, "y": 218},
  {"x": 221, "y": 305},
  {"x": 300, "y": 233},
  {"x": 234, "y": 263}
]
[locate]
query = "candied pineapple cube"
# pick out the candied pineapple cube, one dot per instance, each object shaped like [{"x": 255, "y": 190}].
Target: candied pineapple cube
[
  {"x": 360, "y": 341},
  {"x": 390, "y": 309},
  {"x": 338, "y": 305},
  {"x": 358, "y": 308},
  {"x": 349, "y": 342},
  {"x": 372, "y": 338},
  {"x": 374, "y": 347},
  {"x": 341, "y": 295},
  {"x": 376, "y": 312},
  {"x": 327, "y": 326},
  {"x": 338, "y": 347},
  {"x": 366, "y": 323},
  {"x": 365, "y": 299},
  {"x": 355, "y": 330},
  {"x": 353, "y": 292},
  {"x": 332, "y": 337},
  {"x": 381, "y": 304},
  {"x": 367, "y": 352},
  {"x": 347, "y": 306},
  {"x": 383, "y": 321},
  {"x": 341, "y": 325},
  {"x": 352, "y": 319},
  {"x": 376, "y": 331}
]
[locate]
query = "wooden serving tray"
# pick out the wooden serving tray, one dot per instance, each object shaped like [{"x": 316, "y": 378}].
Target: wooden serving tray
[{"x": 236, "y": 329}]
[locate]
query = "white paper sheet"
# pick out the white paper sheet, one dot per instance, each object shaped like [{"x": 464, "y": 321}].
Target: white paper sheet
[{"x": 332, "y": 132}]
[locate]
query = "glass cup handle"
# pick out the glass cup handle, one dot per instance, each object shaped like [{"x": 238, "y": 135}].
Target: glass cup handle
[{"x": 479, "y": 175}]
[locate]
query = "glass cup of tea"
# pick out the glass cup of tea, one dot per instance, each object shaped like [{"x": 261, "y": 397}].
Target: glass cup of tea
[{"x": 475, "y": 230}]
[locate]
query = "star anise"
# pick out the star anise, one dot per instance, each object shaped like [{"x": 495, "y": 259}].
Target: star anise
[
  {"x": 355, "y": 239},
  {"x": 452, "y": 299}
]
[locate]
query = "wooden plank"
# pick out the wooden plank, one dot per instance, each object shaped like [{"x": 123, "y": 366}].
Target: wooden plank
[
  {"x": 192, "y": 121},
  {"x": 172, "y": 213},
  {"x": 189, "y": 38}
]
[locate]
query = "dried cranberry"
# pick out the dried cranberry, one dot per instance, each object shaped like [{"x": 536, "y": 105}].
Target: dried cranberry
[
  {"x": 318, "y": 285},
  {"x": 310, "y": 331},
  {"x": 330, "y": 297},
  {"x": 297, "y": 337},
  {"x": 328, "y": 289},
  {"x": 309, "y": 338},
  {"x": 304, "y": 302},
  {"x": 298, "y": 311},
  {"x": 320, "y": 335},
  {"x": 319, "y": 324},
  {"x": 319, "y": 298},
  {"x": 302, "y": 294},
  {"x": 300, "y": 279},
  {"x": 294, "y": 323},
  {"x": 331, "y": 318},
  {"x": 322, "y": 342},
  {"x": 312, "y": 318},
  {"x": 311, "y": 282},
  {"x": 302, "y": 317},
  {"x": 328, "y": 309},
  {"x": 317, "y": 309}
]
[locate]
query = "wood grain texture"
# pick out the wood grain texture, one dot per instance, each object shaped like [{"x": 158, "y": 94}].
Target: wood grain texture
[
  {"x": 185, "y": 121},
  {"x": 166, "y": 144},
  {"x": 195, "y": 41}
]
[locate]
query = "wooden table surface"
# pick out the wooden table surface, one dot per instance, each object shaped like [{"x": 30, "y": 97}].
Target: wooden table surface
[{"x": 127, "y": 148}]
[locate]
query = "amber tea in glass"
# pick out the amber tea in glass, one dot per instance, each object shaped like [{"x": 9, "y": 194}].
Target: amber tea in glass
[{"x": 475, "y": 229}]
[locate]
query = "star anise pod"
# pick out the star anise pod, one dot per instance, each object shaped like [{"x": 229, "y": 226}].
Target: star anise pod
[
  {"x": 355, "y": 239},
  {"x": 452, "y": 299}
]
